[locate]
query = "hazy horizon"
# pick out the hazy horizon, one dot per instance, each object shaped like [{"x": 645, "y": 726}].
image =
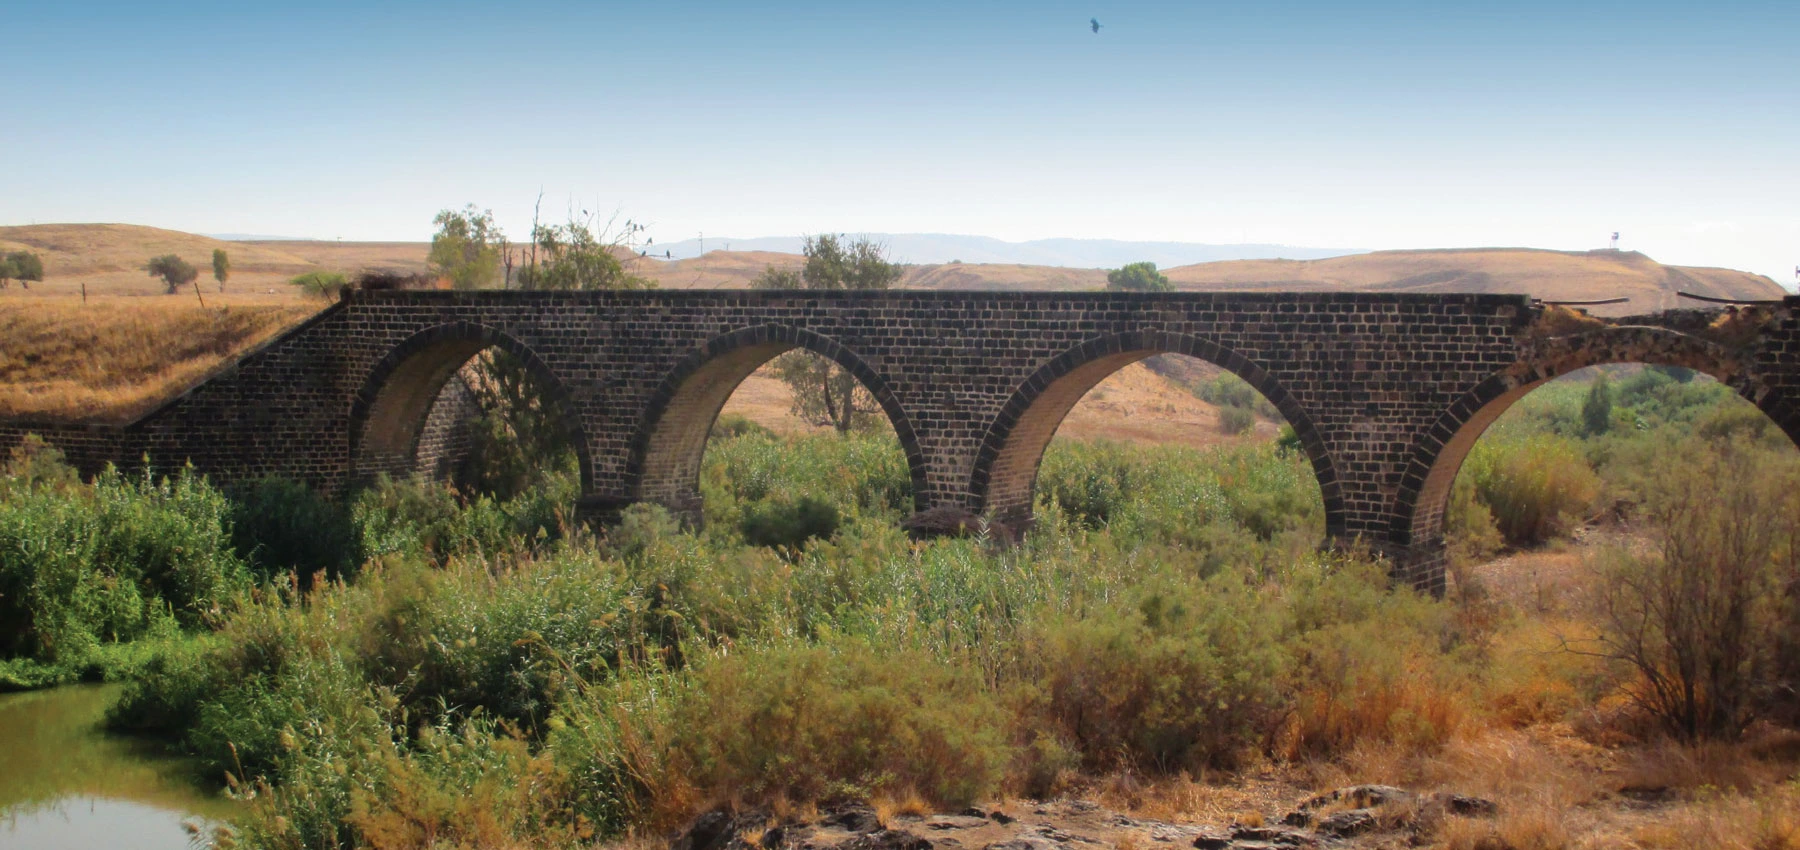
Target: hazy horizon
[{"x": 1400, "y": 125}]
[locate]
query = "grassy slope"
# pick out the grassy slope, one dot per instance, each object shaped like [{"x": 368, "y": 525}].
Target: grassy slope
[{"x": 115, "y": 359}]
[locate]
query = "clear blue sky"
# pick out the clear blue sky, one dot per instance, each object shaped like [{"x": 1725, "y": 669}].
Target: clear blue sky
[{"x": 1399, "y": 125}]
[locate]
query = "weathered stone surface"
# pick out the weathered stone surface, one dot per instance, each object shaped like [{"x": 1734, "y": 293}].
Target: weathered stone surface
[
  {"x": 1386, "y": 392},
  {"x": 887, "y": 839},
  {"x": 715, "y": 830},
  {"x": 1024, "y": 842},
  {"x": 1459, "y": 804},
  {"x": 1347, "y": 823},
  {"x": 1359, "y": 797},
  {"x": 853, "y": 818},
  {"x": 942, "y": 822}
]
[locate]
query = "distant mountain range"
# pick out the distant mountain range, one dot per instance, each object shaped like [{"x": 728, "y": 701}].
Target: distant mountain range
[{"x": 930, "y": 248}]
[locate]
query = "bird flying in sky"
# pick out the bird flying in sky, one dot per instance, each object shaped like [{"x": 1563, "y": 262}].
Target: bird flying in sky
[{"x": 1095, "y": 23}]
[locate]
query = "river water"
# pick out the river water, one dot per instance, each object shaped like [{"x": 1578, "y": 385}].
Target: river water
[{"x": 65, "y": 783}]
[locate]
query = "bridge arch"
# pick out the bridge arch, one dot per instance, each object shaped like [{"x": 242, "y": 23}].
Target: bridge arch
[
  {"x": 1416, "y": 521},
  {"x": 388, "y": 415},
  {"x": 669, "y": 446},
  {"x": 1004, "y": 479}
]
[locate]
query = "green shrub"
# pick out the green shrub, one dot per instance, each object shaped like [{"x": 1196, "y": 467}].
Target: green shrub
[
  {"x": 1233, "y": 497},
  {"x": 115, "y": 561},
  {"x": 474, "y": 683},
  {"x": 779, "y": 524},
  {"x": 859, "y": 473},
  {"x": 1469, "y": 528},
  {"x": 1729, "y": 422},
  {"x": 281, "y": 526},
  {"x": 1089, "y": 489},
  {"x": 465, "y": 638},
  {"x": 1370, "y": 663},
  {"x": 1288, "y": 440},
  {"x": 1536, "y": 487},
  {"x": 321, "y": 284},
  {"x": 1236, "y": 420},
  {"x": 430, "y": 520},
  {"x": 641, "y": 527},
  {"x": 1228, "y": 390},
  {"x": 836, "y": 720},
  {"x": 1173, "y": 677}
]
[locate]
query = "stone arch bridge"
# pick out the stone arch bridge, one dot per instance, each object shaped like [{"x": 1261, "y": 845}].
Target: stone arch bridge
[{"x": 1386, "y": 392}]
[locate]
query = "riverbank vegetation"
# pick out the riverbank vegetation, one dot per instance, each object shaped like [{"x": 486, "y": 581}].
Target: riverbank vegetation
[{"x": 422, "y": 666}]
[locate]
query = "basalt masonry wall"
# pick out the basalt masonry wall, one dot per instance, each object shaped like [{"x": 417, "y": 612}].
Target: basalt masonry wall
[
  {"x": 1364, "y": 378},
  {"x": 445, "y": 441}
]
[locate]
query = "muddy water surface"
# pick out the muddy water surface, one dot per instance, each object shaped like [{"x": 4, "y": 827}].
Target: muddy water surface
[{"x": 65, "y": 783}]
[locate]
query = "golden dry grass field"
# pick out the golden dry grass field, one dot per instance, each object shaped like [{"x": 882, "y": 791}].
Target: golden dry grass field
[{"x": 114, "y": 358}]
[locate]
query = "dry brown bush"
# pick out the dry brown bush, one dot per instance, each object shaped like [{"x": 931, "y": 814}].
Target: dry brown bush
[{"x": 1699, "y": 620}]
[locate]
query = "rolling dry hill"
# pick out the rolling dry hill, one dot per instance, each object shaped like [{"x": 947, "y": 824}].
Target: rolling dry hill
[
  {"x": 110, "y": 258},
  {"x": 1551, "y": 275}
]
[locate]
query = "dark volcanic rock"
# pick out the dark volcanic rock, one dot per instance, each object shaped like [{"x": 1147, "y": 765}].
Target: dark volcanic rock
[
  {"x": 1360, "y": 797},
  {"x": 886, "y": 839},
  {"x": 852, "y": 818},
  {"x": 715, "y": 830},
  {"x": 1458, "y": 804},
  {"x": 1347, "y": 823}
]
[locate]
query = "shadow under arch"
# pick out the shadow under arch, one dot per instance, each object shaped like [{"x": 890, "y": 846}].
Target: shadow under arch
[
  {"x": 388, "y": 414},
  {"x": 1004, "y": 478},
  {"x": 1416, "y": 521},
  {"x": 670, "y": 444}
]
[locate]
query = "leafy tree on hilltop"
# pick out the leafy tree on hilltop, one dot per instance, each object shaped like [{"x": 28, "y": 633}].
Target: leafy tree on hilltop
[
  {"x": 22, "y": 266},
  {"x": 823, "y": 390},
  {"x": 466, "y": 247},
  {"x": 221, "y": 267},
  {"x": 173, "y": 270},
  {"x": 574, "y": 256},
  {"x": 1138, "y": 277}
]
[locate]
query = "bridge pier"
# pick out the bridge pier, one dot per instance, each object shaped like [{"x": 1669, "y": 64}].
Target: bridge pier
[{"x": 1424, "y": 567}]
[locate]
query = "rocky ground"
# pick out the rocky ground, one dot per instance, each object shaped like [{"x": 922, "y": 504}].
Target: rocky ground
[{"x": 1364, "y": 816}]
